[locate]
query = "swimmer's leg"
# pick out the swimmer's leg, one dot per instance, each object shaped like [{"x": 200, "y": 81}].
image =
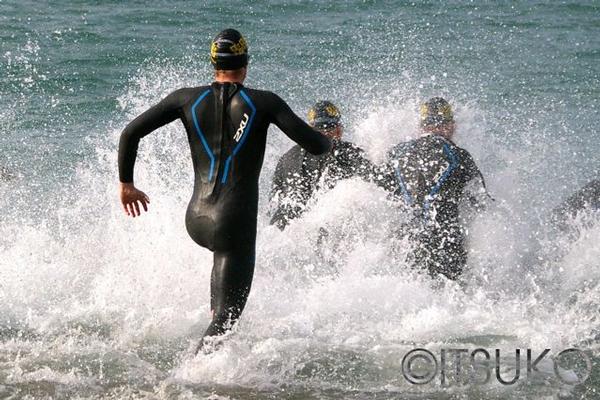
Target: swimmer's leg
[{"x": 230, "y": 284}]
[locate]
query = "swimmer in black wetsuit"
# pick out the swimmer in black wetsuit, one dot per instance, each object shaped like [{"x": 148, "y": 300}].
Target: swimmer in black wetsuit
[
  {"x": 434, "y": 176},
  {"x": 226, "y": 125},
  {"x": 588, "y": 197},
  {"x": 299, "y": 174}
]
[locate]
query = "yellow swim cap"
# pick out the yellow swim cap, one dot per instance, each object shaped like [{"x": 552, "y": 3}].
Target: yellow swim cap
[
  {"x": 435, "y": 112},
  {"x": 229, "y": 50}
]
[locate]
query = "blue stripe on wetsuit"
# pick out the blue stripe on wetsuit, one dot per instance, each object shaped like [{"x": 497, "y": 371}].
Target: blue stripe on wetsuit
[
  {"x": 453, "y": 163},
  {"x": 201, "y": 135},
  {"x": 435, "y": 190},
  {"x": 247, "y": 129},
  {"x": 405, "y": 193}
]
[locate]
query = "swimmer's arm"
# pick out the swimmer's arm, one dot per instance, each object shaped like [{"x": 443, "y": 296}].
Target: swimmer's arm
[
  {"x": 476, "y": 190},
  {"x": 279, "y": 211},
  {"x": 367, "y": 171},
  {"x": 279, "y": 175},
  {"x": 278, "y": 184},
  {"x": 161, "y": 114},
  {"x": 296, "y": 129},
  {"x": 386, "y": 175}
]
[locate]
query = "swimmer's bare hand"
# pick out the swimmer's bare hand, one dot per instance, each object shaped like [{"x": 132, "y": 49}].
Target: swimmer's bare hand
[{"x": 131, "y": 198}]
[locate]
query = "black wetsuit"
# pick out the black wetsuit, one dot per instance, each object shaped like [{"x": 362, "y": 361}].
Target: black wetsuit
[
  {"x": 226, "y": 126},
  {"x": 299, "y": 174},
  {"x": 431, "y": 175}
]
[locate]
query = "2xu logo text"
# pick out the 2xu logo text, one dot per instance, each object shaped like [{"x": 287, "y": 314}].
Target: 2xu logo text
[{"x": 240, "y": 131}]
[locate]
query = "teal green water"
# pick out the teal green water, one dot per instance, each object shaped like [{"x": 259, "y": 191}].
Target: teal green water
[
  {"x": 523, "y": 67},
  {"x": 95, "y": 306}
]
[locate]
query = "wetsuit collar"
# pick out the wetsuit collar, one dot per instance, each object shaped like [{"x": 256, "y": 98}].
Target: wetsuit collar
[
  {"x": 216, "y": 83},
  {"x": 435, "y": 135},
  {"x": 231, "y": 87},
  {"x": 232, "y": 82}
]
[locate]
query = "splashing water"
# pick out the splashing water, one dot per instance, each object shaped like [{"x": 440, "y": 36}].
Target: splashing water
[{"x": 95, "y": 305}]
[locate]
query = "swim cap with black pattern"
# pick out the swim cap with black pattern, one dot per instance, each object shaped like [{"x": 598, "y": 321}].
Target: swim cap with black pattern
[
  {"x": 229, "y": 50},
  {"x": 436, "y": 112},
  {"x": 324, "y": 115}
]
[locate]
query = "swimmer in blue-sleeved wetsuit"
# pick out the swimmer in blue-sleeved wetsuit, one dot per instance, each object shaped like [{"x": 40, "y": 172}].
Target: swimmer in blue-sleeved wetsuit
[
  {"x": 434, "y": 176},
  {"x": 226, "y": 125}
]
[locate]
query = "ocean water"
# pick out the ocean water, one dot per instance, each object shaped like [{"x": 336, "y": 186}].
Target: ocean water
[{"x": 97, "y": 306}]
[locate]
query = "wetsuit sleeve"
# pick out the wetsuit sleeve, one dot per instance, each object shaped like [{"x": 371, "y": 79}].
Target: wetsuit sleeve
[
  {"x": 386, "y": 177},
  {"x": 278, "y": 188},
  {"x": 278, "y": 184},
  {"x": 368, "y": 171},
  {"x": 475, "y": 190},
  {"x": 588, "y": 196},
  {"x": 161, "y": 114},
  {"x": 281, "y": 188},
  {"x": 360, "y": 164},
  {"x": 296, "y": 129}
]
